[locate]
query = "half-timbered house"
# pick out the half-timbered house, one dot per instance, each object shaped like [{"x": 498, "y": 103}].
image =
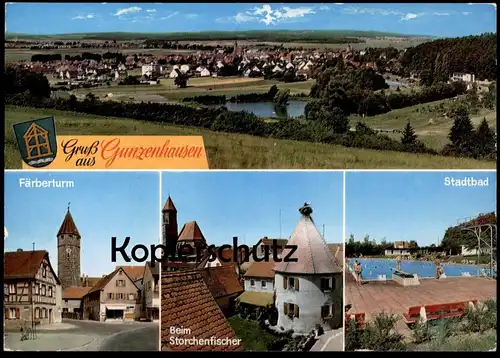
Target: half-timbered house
[{"x": 34, "y": 293}]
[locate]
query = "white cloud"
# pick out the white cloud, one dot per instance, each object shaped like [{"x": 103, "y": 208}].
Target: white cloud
[
  {"x": 191, "y": 16},
  {"x": 466, "y": 13},
  {"x": 371, "y": 11},
  {"x": 441, "y": 14},
  {"x": 410, "y": 16},
  {"x": 324, "y": 8},
  {"x": 242, "y": 17},
  {"x": 128, "y": 10},
  {"x": 270, "y": 16},
  {"x": 150, "y": 10},
  {"x": 84, "y": 17},
  {"x": 169, "y": 16}
]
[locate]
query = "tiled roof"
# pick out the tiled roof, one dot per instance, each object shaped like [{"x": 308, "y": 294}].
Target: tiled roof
[
  {"x": 338, "y": 253},
  {"x": 187, "y": 302},
  {"x": 191, "y": 232},
  {"x": 68, "y": 226},
  {"x": 227, "y": 254},
  {"x": 89, "y": 281},
  {"x": 75, "y": 292},
  {"x": 261, "y": 269},
  {"x": 155, "y": 271},
  {"x": 134, "y": 272},
  {"x": 102, "y": 282},
  {"x": 169, "y": 205},
  {"x": 222, "y": 281},
  {"x": 313, "y": 255},
  {"x": 22, "y": 264},
  {"x": 105, "y": 280}
]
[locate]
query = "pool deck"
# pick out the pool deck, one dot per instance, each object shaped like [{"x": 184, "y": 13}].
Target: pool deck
[{"x": 375, "y": 296}]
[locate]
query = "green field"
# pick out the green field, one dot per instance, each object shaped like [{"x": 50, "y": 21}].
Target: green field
[
  {"x": 234, "y": 151},
  {"x": 431, "y": 127},
  {"x": 229, "y": 86}
]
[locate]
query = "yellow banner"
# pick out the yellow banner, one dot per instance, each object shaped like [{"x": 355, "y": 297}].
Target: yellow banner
[{"x": 128, "y": 152}]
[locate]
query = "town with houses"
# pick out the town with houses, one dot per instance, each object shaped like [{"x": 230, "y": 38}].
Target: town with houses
[
  {"x": 297, "y": 301},
  {"x": 35, "y": 295},
  {"x": 247, "y": 61}
]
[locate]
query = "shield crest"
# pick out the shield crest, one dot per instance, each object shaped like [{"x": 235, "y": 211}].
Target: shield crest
[{"x": 37, "y": 141}]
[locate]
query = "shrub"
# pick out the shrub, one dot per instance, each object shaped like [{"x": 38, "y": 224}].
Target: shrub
[
  {"x": 483, "y": 318},
  {"x": 379, "y": 334},
  {"x": 421, "y": 332}
]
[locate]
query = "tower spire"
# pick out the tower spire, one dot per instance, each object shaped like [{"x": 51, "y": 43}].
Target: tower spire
[{"x": 69, "y": 205}]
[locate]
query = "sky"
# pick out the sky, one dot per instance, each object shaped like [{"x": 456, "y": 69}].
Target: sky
[
  {"x": 103, "y": 205},
  {"x": 248, "y": 204},
  {"x": 405, "y": 206},
  {"x": 443, "y": 20}
]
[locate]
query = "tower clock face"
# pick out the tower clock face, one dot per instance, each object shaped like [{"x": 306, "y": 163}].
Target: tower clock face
[{"x": 68, "y": 250}]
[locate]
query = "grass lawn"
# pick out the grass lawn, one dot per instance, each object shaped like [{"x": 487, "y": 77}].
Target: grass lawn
[
  {"x": 431, "y": 128},
  {"x": 252, "y": 336},
  {"x": 197, "y": 87},
  {"x": 466, "y": 342},
  {"x": 234, "y": 151}
]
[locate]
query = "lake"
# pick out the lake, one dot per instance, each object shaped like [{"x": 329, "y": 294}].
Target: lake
[{"x": 267, "y": 109}]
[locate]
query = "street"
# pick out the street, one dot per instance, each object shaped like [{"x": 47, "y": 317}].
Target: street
[
  {"x": 73, "y": 335},
  {"x": 330, "y": 341}
]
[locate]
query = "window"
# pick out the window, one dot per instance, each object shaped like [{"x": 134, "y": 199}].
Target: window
[
  {"x": 120, "y": 296},
  {"x": 37, "y": 312},
  {"x": 291, "y": 310},
  {"x": 12, "y": 289},
  {"x": 37, "y": 289},
  {"x": 12, "y": 313},
  {"x": 50, "y": 291},
  {"x": 110, "y": 296},
  {"x": 131, "y": 297},
  {"x": 66, "y": 301},
  {"x": 325, "y": 311},
  {"x": 327, "y": 284},
  {"x": 263, "y": 284},
  {"x": 120, "y": 283},
  {"x": 44, "y": 311},
  {"x": 44, "y": 271},
  {"x": 291, "y": 283},
  {"x": 65, "y": 310},
  {"x": 120, "y": 272},
  {"x": 44, "y": 290},
  {"x": 252, "y": 283}
]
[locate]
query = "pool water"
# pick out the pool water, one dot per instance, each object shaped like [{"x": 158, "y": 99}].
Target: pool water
[{"x": 373, "y": 268}]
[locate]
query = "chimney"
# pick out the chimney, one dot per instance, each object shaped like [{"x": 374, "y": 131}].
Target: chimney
[{"x": 19, "y": 250}]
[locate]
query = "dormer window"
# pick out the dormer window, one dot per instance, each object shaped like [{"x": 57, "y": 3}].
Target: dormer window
[{"x": 44, "y": 271}]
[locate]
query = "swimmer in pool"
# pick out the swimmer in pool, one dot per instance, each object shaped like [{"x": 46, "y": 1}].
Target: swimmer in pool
[
  {"x": 439, "y": 270},
  {"x": 398, "y": 263}
]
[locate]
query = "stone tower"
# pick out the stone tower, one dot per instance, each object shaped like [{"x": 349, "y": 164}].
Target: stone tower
[
  {"x": 169, "y": 224},
  {"x": 68, "y": 252}
]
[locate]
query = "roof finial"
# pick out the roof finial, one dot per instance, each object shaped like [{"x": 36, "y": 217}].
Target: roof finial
[
  {"x": 306, "y": 210},
  {"x": 69, "y": 205}
]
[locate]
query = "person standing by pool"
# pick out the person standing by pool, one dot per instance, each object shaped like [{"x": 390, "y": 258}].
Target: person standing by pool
[
  {"x": 398, "y": 263},
  {"x": 358, "y": 272},
  {"x": 439, "y": 270}
]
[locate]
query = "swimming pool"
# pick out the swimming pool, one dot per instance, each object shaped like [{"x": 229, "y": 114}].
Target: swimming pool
[{"x": 374, "y": 268}]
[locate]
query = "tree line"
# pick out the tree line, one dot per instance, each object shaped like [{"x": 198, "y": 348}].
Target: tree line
[
  {"x": 456, "y": 236},
  {"x": 441, "y": 58},
  {"x": 117, "y": 56}
]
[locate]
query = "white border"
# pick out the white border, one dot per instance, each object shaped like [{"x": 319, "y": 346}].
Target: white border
[
  {"x": 159, "y": 263},
  {"x": 247, "y": 170},
  {"x": 343, "y": 258}
]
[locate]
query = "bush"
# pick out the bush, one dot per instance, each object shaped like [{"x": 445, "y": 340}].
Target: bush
[
  {"x": 421, "y": 332},
  {"x": 379, "y": 334},
  {"x": 483, "y": 318}
]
